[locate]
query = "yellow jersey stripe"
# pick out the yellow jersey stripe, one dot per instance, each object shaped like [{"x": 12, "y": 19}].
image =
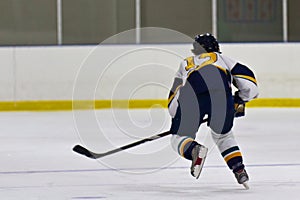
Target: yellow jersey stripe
[
  {"x": 221, "y": 68},
  {"x": 201, "y": 66},
  {"x": 173, "y": 95},
  {"x": 250, "y": 78}
]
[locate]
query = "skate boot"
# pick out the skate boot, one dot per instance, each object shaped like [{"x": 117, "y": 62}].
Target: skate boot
[
  {"x": 199, "y": 153},
  {"x": 242, "y": 178}
]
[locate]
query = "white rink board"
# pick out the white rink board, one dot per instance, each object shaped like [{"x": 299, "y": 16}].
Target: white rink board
[
  {"x": 49, "y": 73},
  {"x": 7, "y": 73}
]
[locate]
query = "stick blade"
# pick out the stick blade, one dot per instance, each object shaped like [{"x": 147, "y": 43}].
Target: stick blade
[{"x": 83, "y": 151}]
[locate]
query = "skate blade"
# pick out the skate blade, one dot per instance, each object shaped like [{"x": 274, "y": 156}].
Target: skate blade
[
  {"x": 246, "y": 186},
  {"x": 198, "y": 168}
]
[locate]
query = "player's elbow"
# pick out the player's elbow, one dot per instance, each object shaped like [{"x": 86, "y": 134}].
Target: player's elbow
[{"x": 249, "y": 93}]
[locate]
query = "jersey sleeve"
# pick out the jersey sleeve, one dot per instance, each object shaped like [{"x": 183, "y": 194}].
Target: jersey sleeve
[
  {"x": 244, "y": 80},
  {"x": 230, "y": 63},
  {"x": 175, "y": 90}
]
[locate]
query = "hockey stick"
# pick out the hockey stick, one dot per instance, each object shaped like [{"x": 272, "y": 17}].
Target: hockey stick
[{"x": 84, "y": 151}]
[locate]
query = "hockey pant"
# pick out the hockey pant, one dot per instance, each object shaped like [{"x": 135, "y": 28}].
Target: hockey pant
[{"x": 218, "y": 108}]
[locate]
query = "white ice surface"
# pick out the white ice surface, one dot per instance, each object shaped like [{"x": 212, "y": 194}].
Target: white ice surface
[{"x": 37, "y": 161}]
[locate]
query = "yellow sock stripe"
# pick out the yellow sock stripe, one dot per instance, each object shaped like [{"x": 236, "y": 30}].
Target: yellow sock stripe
[
  {"x": 64, "y": 105},
  {"x": 183, "y": 144},
  {"x": 232, "y": 155}
]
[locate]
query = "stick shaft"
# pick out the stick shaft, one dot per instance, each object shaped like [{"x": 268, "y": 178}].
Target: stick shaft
[{"x": 128, "y": 146}]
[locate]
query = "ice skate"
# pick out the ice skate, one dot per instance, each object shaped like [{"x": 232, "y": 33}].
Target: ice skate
[
  {"x": 199, "y": 153},
  {"x": 242, "y": 178}
]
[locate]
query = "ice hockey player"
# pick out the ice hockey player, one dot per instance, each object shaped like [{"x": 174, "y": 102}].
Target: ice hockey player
[{"x": 202, "y": 89}]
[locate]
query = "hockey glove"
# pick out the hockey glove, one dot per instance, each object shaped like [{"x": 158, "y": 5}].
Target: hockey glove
[{"x": 239, "y": 105}]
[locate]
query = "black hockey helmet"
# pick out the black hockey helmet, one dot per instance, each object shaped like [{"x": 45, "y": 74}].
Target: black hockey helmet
[{"x": 208, "y": 42}]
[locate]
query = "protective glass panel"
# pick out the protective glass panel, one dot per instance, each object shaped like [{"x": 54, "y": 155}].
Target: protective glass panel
[
  {"x": 250, "y": 20},
  {"x": 293, "y": 23},
  {"x": 30, "y": 22},
  {"x": 189, "y": 17},
  {"x": 92, "y": 21}
]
